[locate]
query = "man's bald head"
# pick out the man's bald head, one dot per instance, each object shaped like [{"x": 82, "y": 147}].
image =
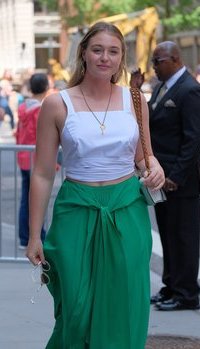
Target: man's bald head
[
  {"x": 171, "y": 48},
  {"x": 166, "y": 60}
]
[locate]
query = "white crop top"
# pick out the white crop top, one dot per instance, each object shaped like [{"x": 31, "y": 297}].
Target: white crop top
[{"x": 90, "y": 156}]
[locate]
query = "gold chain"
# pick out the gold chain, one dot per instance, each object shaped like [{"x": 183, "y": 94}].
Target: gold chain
[{"x": 102, "y": 124}]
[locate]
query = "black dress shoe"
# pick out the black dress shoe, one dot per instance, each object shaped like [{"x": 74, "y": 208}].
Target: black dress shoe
[
  {"x": 176, "y": 304},
  {"x": 159, "y": 297}
]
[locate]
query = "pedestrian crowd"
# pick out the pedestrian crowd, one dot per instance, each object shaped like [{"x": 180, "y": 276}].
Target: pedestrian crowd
[{"x": 20, "y": 102}]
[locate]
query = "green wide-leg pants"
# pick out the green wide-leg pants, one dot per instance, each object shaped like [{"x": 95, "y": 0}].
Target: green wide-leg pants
[{"x": 99, "y": 247}]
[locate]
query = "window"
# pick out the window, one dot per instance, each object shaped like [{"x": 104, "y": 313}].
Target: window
[{"x": 41, "y": 6}]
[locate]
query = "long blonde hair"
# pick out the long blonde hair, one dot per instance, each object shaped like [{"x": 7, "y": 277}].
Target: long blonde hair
[{"x": 80, "y": 67}]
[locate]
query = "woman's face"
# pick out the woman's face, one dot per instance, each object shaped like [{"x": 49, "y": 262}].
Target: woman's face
[{"x": 103, "y": 55}]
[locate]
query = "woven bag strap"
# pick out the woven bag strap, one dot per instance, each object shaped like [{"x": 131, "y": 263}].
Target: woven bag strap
[{"x": 136, "y": 97}]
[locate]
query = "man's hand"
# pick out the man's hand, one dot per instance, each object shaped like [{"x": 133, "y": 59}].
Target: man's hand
[
  {"x": 170, "y": 185},
  {"x": 137, "y": 78}
]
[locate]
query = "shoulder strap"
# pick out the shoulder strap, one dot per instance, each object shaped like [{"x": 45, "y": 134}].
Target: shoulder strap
[
  {"x": 126, "y": 99},
  {"x": 67, "y": 100},
  {"x": 136, "y": 97}
]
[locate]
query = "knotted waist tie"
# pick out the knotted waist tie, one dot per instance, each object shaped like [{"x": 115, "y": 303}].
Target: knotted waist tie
[{"x": 103, "y": 291}]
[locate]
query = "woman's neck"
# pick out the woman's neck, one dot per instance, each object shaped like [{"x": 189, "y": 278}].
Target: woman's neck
[{"x": 96, "y": 88}]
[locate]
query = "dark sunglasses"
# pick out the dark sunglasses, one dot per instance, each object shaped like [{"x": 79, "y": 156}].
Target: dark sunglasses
[
  {"x": 40, "y": 276},
  {"x": 157, "y": 60}
]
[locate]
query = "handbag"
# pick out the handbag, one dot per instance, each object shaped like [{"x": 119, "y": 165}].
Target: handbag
[{"x": 152, "y": 197}]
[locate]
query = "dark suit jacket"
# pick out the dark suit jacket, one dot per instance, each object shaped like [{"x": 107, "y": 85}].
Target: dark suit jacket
[{"x": 175, "y": 133}]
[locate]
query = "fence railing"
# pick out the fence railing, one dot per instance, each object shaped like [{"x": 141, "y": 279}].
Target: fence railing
[{"x": 10, "y": 196}]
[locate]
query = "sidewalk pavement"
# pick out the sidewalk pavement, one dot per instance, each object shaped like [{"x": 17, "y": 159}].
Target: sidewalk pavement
[
  {"x": 28, "y": 326},
  {"x": 6, "y": 133}
]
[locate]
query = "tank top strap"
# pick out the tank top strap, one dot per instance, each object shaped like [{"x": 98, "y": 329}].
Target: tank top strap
[
  {"x": 126, "y": 98},
  {"x": 67, "y": 100}
]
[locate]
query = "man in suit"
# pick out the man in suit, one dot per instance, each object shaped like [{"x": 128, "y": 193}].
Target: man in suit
[{"x": 174, "y": 110}]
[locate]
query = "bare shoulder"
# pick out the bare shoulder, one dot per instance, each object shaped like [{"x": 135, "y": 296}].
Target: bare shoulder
[
  {"x": 117, "y": 96},
  {"x": 118, "y": 88},
  {"x": 54, "y": 110},
  {"x": 75, "y": 94},
  {"x": 53, "y": 102},
  {"x": 73, "y": 90}
]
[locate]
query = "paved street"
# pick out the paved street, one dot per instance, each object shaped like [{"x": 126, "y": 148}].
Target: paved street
[
  {"x": 28, "y": 326},
  {"x": 6, "y": 134}
]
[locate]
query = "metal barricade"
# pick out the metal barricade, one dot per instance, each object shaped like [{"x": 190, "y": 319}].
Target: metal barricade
[{"x": 10, "y": 195}]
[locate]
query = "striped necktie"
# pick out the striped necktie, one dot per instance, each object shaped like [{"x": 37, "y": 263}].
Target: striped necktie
[{"x": 161, "y": 93}]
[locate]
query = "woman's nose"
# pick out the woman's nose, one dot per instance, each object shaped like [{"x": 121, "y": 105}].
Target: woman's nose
[{"x": 104, "y": 55}]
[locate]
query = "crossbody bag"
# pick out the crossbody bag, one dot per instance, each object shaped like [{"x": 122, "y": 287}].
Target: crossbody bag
[{"x": 152, "y": 197}]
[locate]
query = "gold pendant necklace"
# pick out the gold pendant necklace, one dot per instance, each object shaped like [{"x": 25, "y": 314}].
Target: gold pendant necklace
[{"x": 101, "y": 124}]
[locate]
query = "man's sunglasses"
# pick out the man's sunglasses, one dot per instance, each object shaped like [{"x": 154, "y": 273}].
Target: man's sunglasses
[{"x": 157, "y": 60}]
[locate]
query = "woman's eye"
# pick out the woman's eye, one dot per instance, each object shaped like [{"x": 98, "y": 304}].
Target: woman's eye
[
  {"x": 97, "y": 50},
  {"x": 113, "y": 52}
]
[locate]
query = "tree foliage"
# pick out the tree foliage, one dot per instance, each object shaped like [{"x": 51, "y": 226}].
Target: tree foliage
[
  {"x": 188, "y": 20},
  {"x": 87, "y": 11},
  {"x": 52, "y": 5},
  {"x": 90, "y": 10},
  {"x": 175, "y": 14}
]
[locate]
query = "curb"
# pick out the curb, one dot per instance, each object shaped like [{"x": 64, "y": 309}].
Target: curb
[{"x": 172, "y": 342}]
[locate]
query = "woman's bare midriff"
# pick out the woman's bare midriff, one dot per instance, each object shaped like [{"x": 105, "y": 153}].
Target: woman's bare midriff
[{"x": 102, "y": 183}]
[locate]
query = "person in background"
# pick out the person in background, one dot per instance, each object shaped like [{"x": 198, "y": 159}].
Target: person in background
[
  {"x": 175, "y": 136},
  {"x": 2, "y": 113},
  {"x": 197, "y": 73},
  {"x": 26, "y": 134},
  {"x": 5, "y": 90},
  {"x": 16, "y": 98},
  {"x": 99, "y": 244}
]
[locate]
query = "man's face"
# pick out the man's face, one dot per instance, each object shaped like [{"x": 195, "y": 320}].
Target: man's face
[{"x": 163, "y": 64}]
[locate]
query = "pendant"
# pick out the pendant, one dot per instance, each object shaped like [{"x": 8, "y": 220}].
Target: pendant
[{"x": 102, "y": 127}]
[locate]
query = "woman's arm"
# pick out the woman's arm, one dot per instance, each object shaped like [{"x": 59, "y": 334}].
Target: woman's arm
[
  {"x": 42, "y": 178},
  {"x": 156, "y": 177}
]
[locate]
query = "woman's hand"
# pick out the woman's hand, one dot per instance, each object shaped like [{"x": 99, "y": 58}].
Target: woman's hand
[
  {"x": 156, "y": 179},
  {"x": 35, "y": 251}
]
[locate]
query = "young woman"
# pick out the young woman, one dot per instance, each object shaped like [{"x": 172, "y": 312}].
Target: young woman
[{"x": 99, "y": 243}]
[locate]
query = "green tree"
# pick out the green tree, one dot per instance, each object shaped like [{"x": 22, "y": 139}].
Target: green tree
[
  {"x": 87, "y": 11},
  {"x": 187, "y": 20},
  {"x": 52, "y": 5},
  {"x": 175, "y": 14}
]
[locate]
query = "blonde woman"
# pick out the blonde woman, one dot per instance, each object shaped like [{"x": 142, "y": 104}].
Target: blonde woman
[{"x": 99, "y": 243}]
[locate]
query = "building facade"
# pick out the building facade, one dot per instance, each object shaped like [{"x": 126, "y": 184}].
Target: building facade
[{"x": 29, "y": 35}]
